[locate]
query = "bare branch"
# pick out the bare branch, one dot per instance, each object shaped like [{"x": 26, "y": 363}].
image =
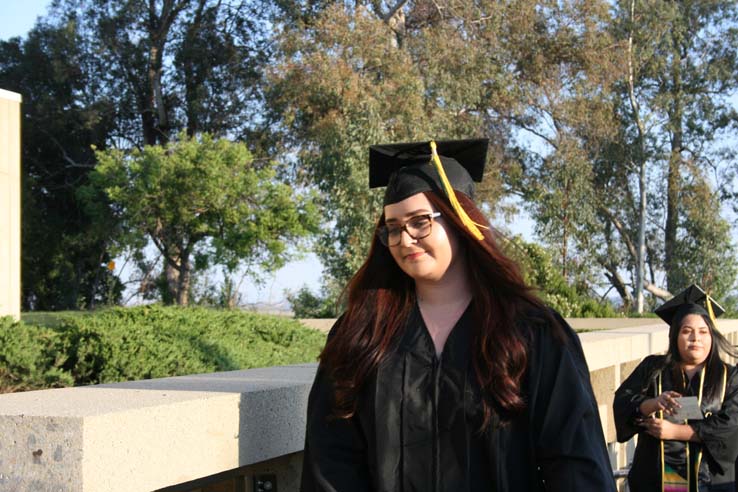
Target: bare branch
[
  {"x": 623, "y": 232},
  {"x": 71, "y": 162},
  {"x": 386, "y": 18},
  {"x": 657, "y": 291}
]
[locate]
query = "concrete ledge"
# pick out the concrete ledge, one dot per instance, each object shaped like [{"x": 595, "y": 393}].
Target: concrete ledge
[
  {"x": 611, "y": 347},
  {"x": 145, "y": 435}
]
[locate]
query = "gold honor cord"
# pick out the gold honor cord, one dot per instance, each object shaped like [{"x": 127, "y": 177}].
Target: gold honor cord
[
  {"x": 698, "y": 461},
  {"x": 472, "y": 226}
]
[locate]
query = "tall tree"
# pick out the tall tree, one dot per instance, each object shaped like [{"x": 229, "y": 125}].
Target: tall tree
[
  {"x": 64, "y": 253},
  {"x": 173, "y": 64},
  {"x": 564, "y": 73},
  {"x": 202, "y": 202},
  {"x": 98, "y": 72},
  {"x": 348, "y": 76},
  {"x": 684, "y": 70}
]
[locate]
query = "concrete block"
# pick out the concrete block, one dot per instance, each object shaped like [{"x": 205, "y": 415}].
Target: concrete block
[
  {"x": 608, "y": 348},
  {"x": 603, "y": 384},
  {"x": 40, "y": 453},
  {"x": 145, "y": 435}
]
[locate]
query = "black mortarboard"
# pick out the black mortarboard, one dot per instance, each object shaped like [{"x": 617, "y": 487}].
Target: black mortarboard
[
  {"x": 407, "y": 168},
  {"x": 691, "y": 300}
]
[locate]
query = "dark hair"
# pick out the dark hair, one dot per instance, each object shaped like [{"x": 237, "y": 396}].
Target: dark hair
[
  {"x": 713, "y": 363},
  {"x": 381, "y": 297}
]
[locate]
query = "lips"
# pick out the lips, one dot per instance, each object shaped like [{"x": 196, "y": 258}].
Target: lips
[{"x": 414, "y": 256}]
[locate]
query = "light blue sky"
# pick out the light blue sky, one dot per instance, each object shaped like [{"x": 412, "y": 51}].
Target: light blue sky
[{"x": 18, "y": 18}]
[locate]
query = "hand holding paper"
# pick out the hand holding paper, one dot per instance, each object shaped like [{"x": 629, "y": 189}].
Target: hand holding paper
[{"x": 689, "y": 410}]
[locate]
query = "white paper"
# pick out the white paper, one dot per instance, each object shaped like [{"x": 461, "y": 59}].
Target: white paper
[{"x": 690, "y": 409}]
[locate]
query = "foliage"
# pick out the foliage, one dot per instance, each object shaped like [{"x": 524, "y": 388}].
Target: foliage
[
  {"x": 30, "y": 357},
  {"x": 64, "y": 252},
  {"x": 311, "y": 84},
  {"x": 97, "y": 73},
  {"x": 347, "y": 77},
  {"x": 705, "y": 253},
  {"x": 201, "y": 201},
  {"x": 172, "y": 65},
  {"x": 122, "y": 344},
  {"x": 305, "y": 304},
  {"x": 685, "y": 70},
  {"x": 541, "y": 272}
]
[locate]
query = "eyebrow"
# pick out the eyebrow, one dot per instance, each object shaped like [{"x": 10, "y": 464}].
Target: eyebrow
[{"x": 420, "y": 211}]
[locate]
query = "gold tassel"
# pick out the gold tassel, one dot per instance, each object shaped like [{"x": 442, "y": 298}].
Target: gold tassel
[
  {"x": 472, "y": 226},
  {"x": 709, "y": 309}
]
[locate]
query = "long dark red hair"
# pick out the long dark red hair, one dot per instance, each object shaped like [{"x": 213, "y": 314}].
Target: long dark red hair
[{"x": 381, "y": 297}]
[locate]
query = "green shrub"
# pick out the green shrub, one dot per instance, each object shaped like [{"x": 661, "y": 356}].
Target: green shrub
[
  {"x": 148, "y": 342},
  {"x": 30, "y": 357}
]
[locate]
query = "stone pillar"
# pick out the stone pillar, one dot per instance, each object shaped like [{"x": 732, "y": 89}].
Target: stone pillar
[{"x": 10, "y": 204}]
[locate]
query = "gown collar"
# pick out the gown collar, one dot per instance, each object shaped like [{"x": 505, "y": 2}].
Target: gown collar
[{"x": 417, "y": 338}]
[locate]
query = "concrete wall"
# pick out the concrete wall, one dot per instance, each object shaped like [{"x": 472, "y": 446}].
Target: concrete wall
[
  {"x": 10, "y": 184},
  {"x": 167, "y": 434}
]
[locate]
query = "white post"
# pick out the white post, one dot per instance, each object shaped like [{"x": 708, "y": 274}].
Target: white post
[{"x": 10, "y": 205}]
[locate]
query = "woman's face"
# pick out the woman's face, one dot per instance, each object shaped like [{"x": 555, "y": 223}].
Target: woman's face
[
  {"x": 426, "y": 259},
  {"x": 694, "y": 339}
]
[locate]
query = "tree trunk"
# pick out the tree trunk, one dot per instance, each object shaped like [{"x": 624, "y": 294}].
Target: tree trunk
[
  {"x": 172, "y": 274},
  {"x": 179, "y": 277},
  {"x": 183, "y": 287},
  {"x": 673, "y": 186},
  {"x": 617, "y": 281},
  {"x": 565, "y": 240},
  {"x": 640, "y": 152},
  {"x": 658, "y": 292},
  {"x": 192, "y": 76},
  {"x": 155, "y": 109}
]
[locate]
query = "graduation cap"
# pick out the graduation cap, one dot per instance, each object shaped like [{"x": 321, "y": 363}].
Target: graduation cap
[
  {"x": 444, "y": 166},
  {"x": 692, "y": 300}
]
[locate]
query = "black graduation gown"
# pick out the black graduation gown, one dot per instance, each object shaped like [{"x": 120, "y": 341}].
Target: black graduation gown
[
  {"x": 416, "y": 427},
  {"x": 718, "y": 432}
]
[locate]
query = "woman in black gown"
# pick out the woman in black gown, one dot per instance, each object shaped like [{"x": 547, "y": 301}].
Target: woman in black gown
[
  {"x": 673, "y": 454},
  {"x": 446, "y": 372}
]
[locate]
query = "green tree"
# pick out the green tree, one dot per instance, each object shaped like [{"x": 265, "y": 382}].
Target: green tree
[
  {"x": 201, "y": 201},
  {"x": 542, "y": 272},
  {"x": 685, "y": 70},
  {"x": 306, "y": 304},
  {"x": 657, "y": 103},
  {"x": 98, "y": 72},
  {"x": 347, "y": 76},
  {"x": 172, "y": 64},
  {"x": 64, "y": 251}
]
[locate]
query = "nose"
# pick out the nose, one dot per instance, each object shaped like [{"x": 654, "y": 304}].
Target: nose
[{"x": 406, "y": 238}]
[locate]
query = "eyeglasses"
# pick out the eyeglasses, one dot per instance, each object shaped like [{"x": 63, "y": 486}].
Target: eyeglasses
[{"x": 417, "y": 227}]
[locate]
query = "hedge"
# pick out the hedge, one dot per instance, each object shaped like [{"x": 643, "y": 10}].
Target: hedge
[{"x": 146, "y": 342}]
